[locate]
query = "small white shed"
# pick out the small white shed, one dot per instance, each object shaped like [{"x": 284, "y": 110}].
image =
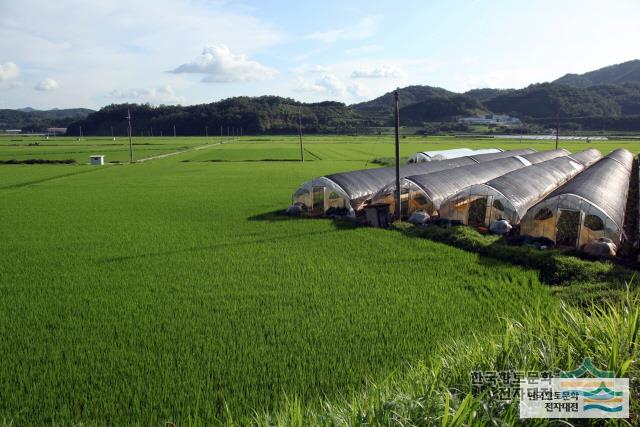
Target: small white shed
[{"x": 96, "y": 159}]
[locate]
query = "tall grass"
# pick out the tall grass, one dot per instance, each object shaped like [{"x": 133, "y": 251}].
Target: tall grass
[{"x": 439, "y": 392}]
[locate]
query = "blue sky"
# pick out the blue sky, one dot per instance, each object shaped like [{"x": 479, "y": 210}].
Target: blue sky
[{"x": 77, "y": 53}]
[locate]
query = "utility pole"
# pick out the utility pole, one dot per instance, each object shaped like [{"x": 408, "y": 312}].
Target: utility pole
[
  {"x": 220, "y": 133},
  {"x": 174, "y": 131},
  {"x": 80, "y": 131},
  {"x": 557, "y": 129},
  {"x": 397, "y": 120},
  {"x": 300, "y": 135},
  {"x": 129, "y": 129},
  {"x": 206, "y": 131},
  {"x": 112, "y": 136}
]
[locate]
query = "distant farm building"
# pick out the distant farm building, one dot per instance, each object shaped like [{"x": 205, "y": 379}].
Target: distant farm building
[
  {"x": 57, "y": 131},
  {"x": 13, "y": 131},
  {"x": 490, "y": 119}
]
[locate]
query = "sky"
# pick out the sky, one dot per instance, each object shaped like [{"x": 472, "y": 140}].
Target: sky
[{"x": 79, "y": 53}]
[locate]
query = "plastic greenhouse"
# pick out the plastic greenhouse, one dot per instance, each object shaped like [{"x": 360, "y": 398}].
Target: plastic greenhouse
[
  {"x": 589, "y": 207},
  {"x": 510, "y": 196},
  {"x": 428, "y": 156},
  {"x": 348, "y": 193},
  {"x": 426, "y": 192}
]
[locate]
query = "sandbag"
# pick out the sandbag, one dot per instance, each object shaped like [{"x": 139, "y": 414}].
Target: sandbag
[
  {"x": 419, "y": 217},
  {"x": 602, "y": 247},
  {"x": 500, "y": 226},
  {"x": 294, "y": 210}
]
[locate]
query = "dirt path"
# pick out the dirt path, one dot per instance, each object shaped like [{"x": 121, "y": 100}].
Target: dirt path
[{"x": 173, "y": 153}]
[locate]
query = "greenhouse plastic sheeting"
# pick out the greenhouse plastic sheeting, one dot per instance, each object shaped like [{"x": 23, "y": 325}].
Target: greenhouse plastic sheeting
[
  {"x": 511, "y": 195},
  {"x": 587, "y": 157},
  {"x": 427, "y": 191},
  {"x": 363, "y": 183},
  {"x": 597, "y": 198},
  {"x": 347, "y": 193},
  {"x": 428, "y": 156}
]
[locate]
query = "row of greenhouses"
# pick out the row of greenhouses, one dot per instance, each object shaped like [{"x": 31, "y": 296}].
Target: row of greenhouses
[{"x": 571, "y": 199}]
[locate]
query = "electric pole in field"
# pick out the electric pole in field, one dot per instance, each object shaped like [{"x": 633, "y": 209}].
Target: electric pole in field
[
  {"x": 397, "y": 122},
  {"x": 206, "y": 131},
  {"x": 557, "y": 129},
  {"x": 129, "y": 131},
  {"x": 174, "y": 131},
  {"x": 300, "y": 135}
]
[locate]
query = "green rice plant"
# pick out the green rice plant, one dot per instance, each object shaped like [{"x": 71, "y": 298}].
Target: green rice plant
[
  {"x": 439, "y": 392},
  {"x": 172, "y": 292}
]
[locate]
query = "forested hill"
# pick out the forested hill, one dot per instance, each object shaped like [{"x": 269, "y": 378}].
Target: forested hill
[
  {"x": 407, "y": 96},
  {"x": 264, "y": 114},
  {"x": 551, "y": 99},
  {"x": 39, "y": 120},
  {"x": 613, "y": 74},
  {"x": 608, "y": 98}
]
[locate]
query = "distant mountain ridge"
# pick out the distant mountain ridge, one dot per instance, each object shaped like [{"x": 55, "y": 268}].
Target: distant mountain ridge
[
  {"x": 609, "y": 96},
  {"x": 38, "y": 120},
  {"x": 613, "y": 74},
  {"x": 407, "y": 96}
]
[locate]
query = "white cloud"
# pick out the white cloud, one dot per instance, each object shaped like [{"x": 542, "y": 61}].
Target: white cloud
[
  {"x": 47, "y": 85},
  {"x": 304, "y": 68},
  {"x": 302, "y": 85},
  {"x": 328, "y": 84},
  {"x": 367, "y": 48},
  {"x": 361, "y": 30},
  {"x": 384, "y": 72},
  {"x": 332, "y": 85},
  {"x": 9, "y": 71},
  {"x": 156, "y": 95},
  {"x": 219, "y": 64},
  {"x": 121, "y": 44}
]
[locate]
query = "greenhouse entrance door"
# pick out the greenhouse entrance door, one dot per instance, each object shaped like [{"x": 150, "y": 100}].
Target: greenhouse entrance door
[
  {"x": 318, "y": 201},
  {"x": 568, "y": 228},
  {"x": 477, "y": 212}
]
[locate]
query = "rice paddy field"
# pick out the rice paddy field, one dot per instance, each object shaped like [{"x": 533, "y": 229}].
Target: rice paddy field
[{"x": 173, "y": 291}]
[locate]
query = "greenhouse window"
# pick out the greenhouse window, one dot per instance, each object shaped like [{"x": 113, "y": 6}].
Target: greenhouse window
[
  {"x": 497, "y": 204},
  {"x": 420, "y": 199},
  {"x": 593, "y": 223},
  {"x": 542, "y": 214}
]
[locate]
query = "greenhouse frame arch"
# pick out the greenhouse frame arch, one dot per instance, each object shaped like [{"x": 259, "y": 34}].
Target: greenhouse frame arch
[
  {"x": 589, "y": 207},
  {"x": 510, "y": 196},
  {"x": 348, "y": 193},
  {"x": 425, "y": 192}
]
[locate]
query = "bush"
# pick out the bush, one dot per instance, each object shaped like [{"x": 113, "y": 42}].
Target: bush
[
  {"x": 555, "y": 267},
  {"x": 37, "y": 162}
]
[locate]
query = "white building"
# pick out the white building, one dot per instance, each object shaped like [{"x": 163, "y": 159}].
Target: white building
[{"x": 490, "y": 119}]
